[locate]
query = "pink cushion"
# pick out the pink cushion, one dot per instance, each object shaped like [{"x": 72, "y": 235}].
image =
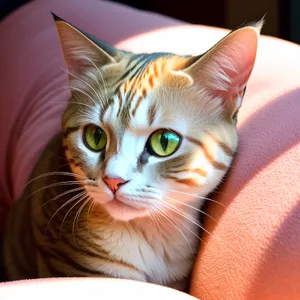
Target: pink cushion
[
  {"x": 78, "y": 288},
  {"x": 253, "y": 252}
]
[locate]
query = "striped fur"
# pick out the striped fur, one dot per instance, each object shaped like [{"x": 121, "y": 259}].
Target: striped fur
[{"x": 68, "y": 223}]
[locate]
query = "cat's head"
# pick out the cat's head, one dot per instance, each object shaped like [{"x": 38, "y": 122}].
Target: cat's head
[{"x": 152, "y": 132}]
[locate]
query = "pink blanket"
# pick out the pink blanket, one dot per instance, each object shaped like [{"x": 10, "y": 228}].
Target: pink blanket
[{"x": 254, "y": 251}]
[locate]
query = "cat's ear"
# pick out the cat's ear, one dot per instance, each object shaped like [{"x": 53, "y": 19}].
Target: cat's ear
[
  {"x": 224, "y": 70},
  {"x": 81, "y": 50}
]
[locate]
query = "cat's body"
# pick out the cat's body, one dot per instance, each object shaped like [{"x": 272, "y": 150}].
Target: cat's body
[{"x": 145, "y": 139}]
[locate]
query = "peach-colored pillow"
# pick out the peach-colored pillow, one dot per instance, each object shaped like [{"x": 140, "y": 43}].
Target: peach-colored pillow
[
  {"x": 253, "y": 252},
  {"x": 78, "y": 288}
]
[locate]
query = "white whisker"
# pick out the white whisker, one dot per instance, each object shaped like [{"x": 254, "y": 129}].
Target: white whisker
[
  {"x": 100, "y": 73},
  {"x": 192, "y": 220},
  {"x": 83, "y": 81},
  {"x": 53, "y": 185},
  {"x": 165, "y": 215},
  {"x": 82, "y": 196},
  {"x": 55, "y": 173},
  {"x": 63, "y": 194},
  {"x": 77, "y": 216},
  {"x": 192, "y": 207},
  {"x": 62, "y": 206},
  {"x": 193, "y": 195}
]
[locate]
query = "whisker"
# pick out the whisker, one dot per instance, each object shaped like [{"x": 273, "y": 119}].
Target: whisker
[
  {"x": 77, "y": 89},
  {"x": 192, "y": 220},
  {"x": 190, "y": 206},
  {"x": 193, "y": 195},
  {"x": 53, "y": 185},
  {"x": 90, "y": 209},
  {"x": 100, "y": 73},
  {"x": 54, "y": 154},
  {"x": 165, "y": 215},
  {"x": 76, "y": 218},
  {"x": 73, "y": 88},
  {"x": 191, "y": 231},
  {"x": 52, "y": 174},
  {"x": 62, "y": 206},
  {"x": 63, "y": 194},
  {"x": 83, "y": 81},
  {"x": 76, "y": 102},
  {"x": 82, "y": 196}
]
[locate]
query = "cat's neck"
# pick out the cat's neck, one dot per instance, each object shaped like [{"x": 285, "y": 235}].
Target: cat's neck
[{"x": 180, "y": 223}]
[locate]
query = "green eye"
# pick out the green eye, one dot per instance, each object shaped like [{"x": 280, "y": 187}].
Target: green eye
[
  {"x": 163, "y": 142},
  {"x": 94, "y": 138}
]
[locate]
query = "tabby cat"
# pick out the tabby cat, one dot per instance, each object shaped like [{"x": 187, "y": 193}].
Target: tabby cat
[{"x": 145, "y": 138}]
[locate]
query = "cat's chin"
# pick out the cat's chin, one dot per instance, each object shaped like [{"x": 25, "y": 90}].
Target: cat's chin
[{"x": 124, "y": 212}]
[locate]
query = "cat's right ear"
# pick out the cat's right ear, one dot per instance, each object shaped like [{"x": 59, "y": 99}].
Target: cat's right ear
[{"x": 80, "y": 52}]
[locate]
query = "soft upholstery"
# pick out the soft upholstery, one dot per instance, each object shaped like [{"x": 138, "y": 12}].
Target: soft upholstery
[
  {"x": 253, "y": 251},
  {"x": 78, "y": 288}
]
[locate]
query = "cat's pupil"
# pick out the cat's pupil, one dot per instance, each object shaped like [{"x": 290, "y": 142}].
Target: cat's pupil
[
  {"x": 97, "y": 136},
  {"x": 164, "y": 139}
]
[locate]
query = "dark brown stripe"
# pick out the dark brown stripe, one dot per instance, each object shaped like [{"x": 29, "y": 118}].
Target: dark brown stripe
[
  {"x": 120, "y": 103},
  {"x": 187, "y": 181},
  {"x": 89, "y": 249},
  {"x": 136, "y": 79},
  {"x": 70, "y": 130},
  {"x": 219, "y": 165},
  {"x": 209, "y": 157},
  {"x": 65, "y": 258},
  {"x": 224, "y": 147},
  {"x": 133, "y": 88},
  {"x": 139, "y": 75},
  {"x": 198, "y": 171},
  {"x": 100, "y": 254},
  {"x": 105, "y": 108},
  {"x": 137, "y": 105},
  {"x": 66, "y": 148},
  {"x": 151, "y": 114},
  {"x": 166, "y": 167},
  {"x": 144, "y": 93}
]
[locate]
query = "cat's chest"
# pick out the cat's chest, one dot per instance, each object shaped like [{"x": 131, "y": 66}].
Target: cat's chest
[{"x": 159, "y": 257}]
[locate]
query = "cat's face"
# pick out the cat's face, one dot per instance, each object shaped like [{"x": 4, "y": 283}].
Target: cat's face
[{"x": 145, "y": 133}]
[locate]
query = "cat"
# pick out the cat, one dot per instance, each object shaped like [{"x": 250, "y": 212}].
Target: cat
[{"x": 145, "y": 138}]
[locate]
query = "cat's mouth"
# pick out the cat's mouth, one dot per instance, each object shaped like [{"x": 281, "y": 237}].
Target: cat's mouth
[{"x": 124, "y": 211}]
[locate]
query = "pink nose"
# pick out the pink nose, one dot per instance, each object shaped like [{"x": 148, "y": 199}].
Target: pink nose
[{"x": 114, "y": 183}]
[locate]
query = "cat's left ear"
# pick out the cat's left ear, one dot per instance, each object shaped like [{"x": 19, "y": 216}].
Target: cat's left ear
[
  {"x": 82, "y": 51},
  {"x": 224, "y": 70}
]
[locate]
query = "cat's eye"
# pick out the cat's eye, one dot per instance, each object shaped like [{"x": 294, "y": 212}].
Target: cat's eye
[
  {"x": 94, "y": 138},
  {"x": 163, "y": 143}
]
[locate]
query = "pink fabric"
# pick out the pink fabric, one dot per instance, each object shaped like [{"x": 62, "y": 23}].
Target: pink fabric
[
  {"x": 80, "y": 288},
  {"x": 254, "y": 251}
]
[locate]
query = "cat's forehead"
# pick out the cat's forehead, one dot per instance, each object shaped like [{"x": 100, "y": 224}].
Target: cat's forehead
[
  {"x": 138, "y": 102},
  {"x": 132, "y": 104},
  {"x": 144, "y": 74}
]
